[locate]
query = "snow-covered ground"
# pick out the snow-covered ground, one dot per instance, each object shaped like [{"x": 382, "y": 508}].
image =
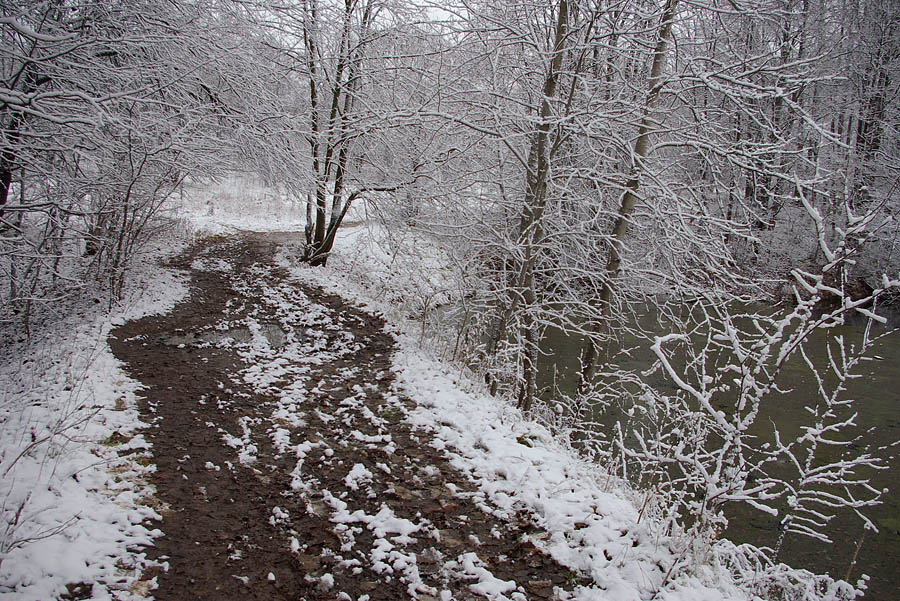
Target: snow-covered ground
[
  {"x": 238, "y": 202},
  {"x": 78, "y": 509},
  {"x": 74, "y": 503},
  {"x": 405, "y": 272},
  {"x": 592, "y": 523}
]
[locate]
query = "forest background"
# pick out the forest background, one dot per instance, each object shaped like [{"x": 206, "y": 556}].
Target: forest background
[{"x": 569, "y": 165}]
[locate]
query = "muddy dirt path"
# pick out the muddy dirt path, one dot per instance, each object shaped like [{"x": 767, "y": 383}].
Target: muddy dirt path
[{"x": 285, "y": 469}]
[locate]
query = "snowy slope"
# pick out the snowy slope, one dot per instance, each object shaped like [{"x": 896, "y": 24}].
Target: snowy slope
[
  {"x": 81, "y": 510},
  {"x": 72, "y": 491},
  {"x": 592, "y": 524}
]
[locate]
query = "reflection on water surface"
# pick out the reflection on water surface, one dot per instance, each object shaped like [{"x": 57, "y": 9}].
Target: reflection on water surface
[{"x": 877, "y": 391}]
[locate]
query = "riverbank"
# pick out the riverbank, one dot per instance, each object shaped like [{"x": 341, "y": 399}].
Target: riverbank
[
  {"x": 468, "y": 462},
  {"x": 298, "y": 445},
  {"x": 308, "y": 453}
]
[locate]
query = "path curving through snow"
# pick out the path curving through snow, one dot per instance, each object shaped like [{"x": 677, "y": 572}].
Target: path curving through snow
[{"x": 287, "y": 462}]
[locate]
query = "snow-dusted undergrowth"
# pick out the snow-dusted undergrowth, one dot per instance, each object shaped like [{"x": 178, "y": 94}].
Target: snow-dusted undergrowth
[
  {"x": 594, "y": 520},
  {"x": 72, "y": 494},
  {"x": 238, "y": 202},
  {"x": 596, "y": 523},
  {"x": 78, "y": 510}
]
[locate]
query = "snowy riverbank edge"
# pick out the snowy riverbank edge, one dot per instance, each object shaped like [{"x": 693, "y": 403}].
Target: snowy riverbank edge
[
  {"x": 593, "y": 523},
  {"x": 87, "y": 487},
  {"x": 74, "y": 496}
]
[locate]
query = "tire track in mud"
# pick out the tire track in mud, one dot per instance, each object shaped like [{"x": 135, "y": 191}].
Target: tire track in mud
[{"x": 285, "y": 469}]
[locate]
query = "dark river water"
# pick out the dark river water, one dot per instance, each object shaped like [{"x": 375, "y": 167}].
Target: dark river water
[{"x": 878, "y": 402}]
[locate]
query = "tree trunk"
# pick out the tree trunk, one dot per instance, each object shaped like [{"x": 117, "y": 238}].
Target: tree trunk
[
  {"x": 5, "y": 182},
  {"x": 629, "y": 198},
  {"x": 530, "y": 232},
  {"x": 330, "y": 170}
]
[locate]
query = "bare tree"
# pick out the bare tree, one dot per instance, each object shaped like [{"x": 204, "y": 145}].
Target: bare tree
[
  {"x": 328, "y": 47},
  {"x": 105, "y": 109}
]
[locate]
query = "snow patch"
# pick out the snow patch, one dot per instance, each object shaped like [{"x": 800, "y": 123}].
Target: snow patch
[{"x": 358, "y": 475}]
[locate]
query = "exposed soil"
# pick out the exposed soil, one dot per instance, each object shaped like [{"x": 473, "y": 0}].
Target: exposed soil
[{"x": 278, "y": 434}]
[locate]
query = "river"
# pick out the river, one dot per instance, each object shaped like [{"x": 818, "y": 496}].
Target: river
[{"x": 878, "y": 403}]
